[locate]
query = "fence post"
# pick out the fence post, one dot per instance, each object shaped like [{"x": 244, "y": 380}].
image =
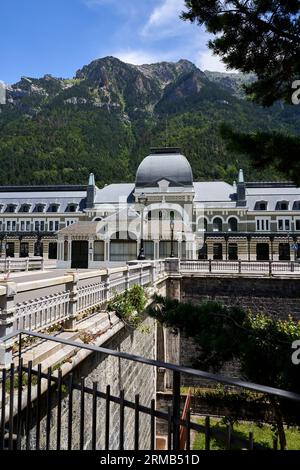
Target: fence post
[
  {"x": 7, "y": 312},
  {"x": 176, "y": 410},
  {"x": 127, "y": 274},
  {"x": 72, "y": 287},
  {"x": 107, "y": 286}
]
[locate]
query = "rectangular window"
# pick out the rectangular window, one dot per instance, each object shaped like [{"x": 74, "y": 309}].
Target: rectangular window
[
  {"x": 284, "y": 224},
  {"x": 297, "y": 224},
  {"x": 51, "y": 226},
  {"x": 262, "y": 225},
  {"x": 22, "y": 226},
  {"x": 8, "y": 226},
  {"x": 56, "y": 226}
]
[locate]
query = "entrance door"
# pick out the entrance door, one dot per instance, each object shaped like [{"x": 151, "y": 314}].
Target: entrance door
[
  {"x": 262, "y": 252},
  {"x": 52, "y": 251},
  {"x": 232, "y": 251},
  {"x": 80, "y": 255},
  {"x": 24, "y": 250},
  {"x": 218, "y": 251},
  {"x": 284, "y": 252},
  {"x": 10, "y": 249}
]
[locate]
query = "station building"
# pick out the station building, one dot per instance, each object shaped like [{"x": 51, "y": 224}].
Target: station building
[{"x": 84, "y": 226}]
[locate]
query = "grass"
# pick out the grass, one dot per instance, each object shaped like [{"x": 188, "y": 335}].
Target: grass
[{"x": 263, "y": 435}]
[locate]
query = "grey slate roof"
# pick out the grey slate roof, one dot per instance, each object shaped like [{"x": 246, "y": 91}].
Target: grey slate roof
[
  {"x": 272, "y": 195},
  {"x": 46, "y": 198},
  {"x": 173, "y": 167},
  {"x": 114, "y": 192},
  {"x": 215, "y": 191}
]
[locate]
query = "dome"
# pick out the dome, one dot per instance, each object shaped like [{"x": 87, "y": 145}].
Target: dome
[{"x": 165, "y": 163}]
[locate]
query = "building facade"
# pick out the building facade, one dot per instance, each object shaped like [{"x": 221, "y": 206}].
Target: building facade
[{"x": 84, "y": 226}]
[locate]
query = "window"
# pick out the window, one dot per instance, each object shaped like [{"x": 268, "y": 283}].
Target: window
[
  {"x": 284, "y": 252},
  {"x": 172, "y": 215},
  {"x": 202, "y": 225},
  {"x": 284, "y": 224},
  {"x": 70, "y": 222},
  {"x": 11, "y": 208},
  {"x": 72, "y": 208},
  {"x": 232, "y": 251},
  {"x": 25, "y": 208},
  {"x": 218, "y": 251},
  {"x": 39, "y": 208},
  {"x": 217, "y": 224},
  {"x": 263, "y": 224},
  {"x": 282, "y": 206},
  {"x": 53, "y": 208},
  {"x": 232, "y": 225},
  {"x": 297, "y": 224},
  {"x": 149, "y": 215},
  {"x": 261, "y": 206}
]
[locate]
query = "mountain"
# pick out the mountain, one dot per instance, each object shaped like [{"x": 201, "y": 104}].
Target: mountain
[{"x": 105, "y": 119}]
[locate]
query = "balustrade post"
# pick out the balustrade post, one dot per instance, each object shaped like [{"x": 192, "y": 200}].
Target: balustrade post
[
  {"x": 107, "y": 287},
  {"x": 27, "y": 264},
  {"x": 240, "y": 266},
  {"x": 72, "y": 288},
  {"x": 209, "y": 265},
  {"x": 7, "y": 312}
]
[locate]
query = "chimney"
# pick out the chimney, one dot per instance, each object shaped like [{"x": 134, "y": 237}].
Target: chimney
[
  {"x": 241, "y": 190},
  {"x": 91, "y": 191}
]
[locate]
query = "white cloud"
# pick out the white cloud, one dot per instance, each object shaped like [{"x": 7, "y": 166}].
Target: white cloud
[
  {"x": 207, "y": 61},
  {"x": 139, "y": 56},
  {"x": 165, "y": 20}
]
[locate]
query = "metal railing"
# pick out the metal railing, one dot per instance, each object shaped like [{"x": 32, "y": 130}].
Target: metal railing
[
  {"x": 239, "y": 267},
  {"x": 32, "y": 401},
  {"x": 21, "y": 264},
  {"x": 40, "y": 304}
]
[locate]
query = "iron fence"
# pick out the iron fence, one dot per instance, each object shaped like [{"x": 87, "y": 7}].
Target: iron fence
[{"x": 32, "y": 401}]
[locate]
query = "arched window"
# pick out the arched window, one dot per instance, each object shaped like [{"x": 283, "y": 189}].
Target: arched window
[
  {"x": 149, "y": 215},
  {"x": 217, "y": 224},
  {"x": 202, "y": 225},
  {"x": 172, "y": 215},
  {"x": 232, "y": 225}
]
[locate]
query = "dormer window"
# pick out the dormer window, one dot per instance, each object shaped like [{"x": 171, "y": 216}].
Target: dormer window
[
  {"x": 261, "y": 206},
  {"x": 25, "y": 208},
  {"x": 39, "y": 208},
  {"x": 282, "y": 206},
  {"x": 53, "y": 207},
  {"x": 11, "y": 208},
  {"x": 296, "y": 206},
  {"x": 72, "y": 207}
]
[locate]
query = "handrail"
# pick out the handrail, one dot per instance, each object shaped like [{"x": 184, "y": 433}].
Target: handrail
[{"x": 160, "y": 364}]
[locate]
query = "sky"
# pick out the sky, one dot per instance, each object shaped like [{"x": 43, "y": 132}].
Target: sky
[{"x": 59, "y": 37}]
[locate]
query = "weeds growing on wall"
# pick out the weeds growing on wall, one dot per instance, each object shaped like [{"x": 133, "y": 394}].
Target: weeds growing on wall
[{"x": 130, "y": 305}]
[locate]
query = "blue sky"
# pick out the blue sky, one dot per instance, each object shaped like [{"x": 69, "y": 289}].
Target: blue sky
[{"x": 60, "y": 36}]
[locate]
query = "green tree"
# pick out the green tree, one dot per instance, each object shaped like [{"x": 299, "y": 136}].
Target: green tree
[
  {"x": 260, "y": 343},
  {"x": 262, "y": 37}
]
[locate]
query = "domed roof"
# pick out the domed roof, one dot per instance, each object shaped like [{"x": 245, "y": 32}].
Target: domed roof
[{"x": 165, "y": 163}]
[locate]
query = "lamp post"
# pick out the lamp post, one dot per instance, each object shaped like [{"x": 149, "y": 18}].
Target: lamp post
[
  {"x": 142, "y": 199},
  {"x": 172, "y": 225}
]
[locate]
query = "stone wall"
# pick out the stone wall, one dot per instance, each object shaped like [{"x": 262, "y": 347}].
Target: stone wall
[
  {"x": 276, "y": 296},
  {"x": 120, "y": 374}
]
